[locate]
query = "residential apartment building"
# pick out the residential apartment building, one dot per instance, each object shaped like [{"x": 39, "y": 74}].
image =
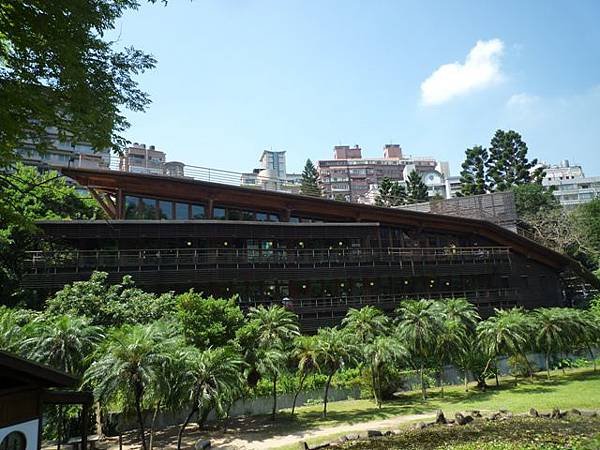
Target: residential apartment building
[
  {"x": 62, "y": 153},
  {"x": 570, "y": 185},
  {"x": 349, "y": 176},
  {"x": 141, "y": 159}
]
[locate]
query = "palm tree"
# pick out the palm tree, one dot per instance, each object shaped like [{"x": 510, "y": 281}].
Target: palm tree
[
  {"x": 459, "y": 319},
  {"x": 305, "y": 353},
  {"x": 419, "y": 324},
  {"x": 506, "y": 332},
  {"x": 276, "y": 327},
  {"x": 381, "y": 352},
  {"x": 551, "y": 332},
  {"x": 585, "y": 329},
  {"x": 460, "y": 310},
  {"x": 170, "y": 392},
  {"x": 128, "y": 365},
  {"x": 63, "y": 342},
  {"x": 212, "y": 375},
  {"x": 450, "y": 342},
  {"x": 12, "y": 333},
  {"x": 334, "y": 348},
  {"x": 366, "y": 324}
]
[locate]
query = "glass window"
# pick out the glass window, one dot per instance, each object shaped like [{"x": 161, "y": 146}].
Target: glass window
[
  {"x": 14, "y": 441},
  {"x": 294, "y": 219},
  {"x": 247, "y": 215},
  {"x": 148, "y": 209},
  {"x": 131, "y": 206},
  {"x": 261, "y": 217},
  {"x": 219, "y": 213},
  {"x": 165, "y": 210},
  {"x": 182, "y": 211},
  {"x": 198, "y": 212},
  {"x": 273, "y": 217},
  {"x": 234, "y": 214}
]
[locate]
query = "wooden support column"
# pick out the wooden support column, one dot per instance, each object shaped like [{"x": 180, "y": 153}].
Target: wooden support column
[{"x": 209, "y": 209}]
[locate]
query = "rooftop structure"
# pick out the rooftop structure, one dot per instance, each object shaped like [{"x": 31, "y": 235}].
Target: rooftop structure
[
  {"x": 25, "y": 387},
  {"x": 272, "y": 174},
  {"x": 318, "y": 257},
  {"x": 141, "y": 159}
]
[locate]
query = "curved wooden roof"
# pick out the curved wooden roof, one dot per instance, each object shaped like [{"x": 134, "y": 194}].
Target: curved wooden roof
[{"x": 190, "y": 190}]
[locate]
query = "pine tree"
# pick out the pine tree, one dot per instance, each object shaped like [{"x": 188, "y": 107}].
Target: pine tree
[
  {"x": 391, "y": 193},
  {"x": 473, "y": 177},
  {"x": 416, "y": 190},
  {"x": 508, "y": 164},
  {"x": 309, "y": 184}
]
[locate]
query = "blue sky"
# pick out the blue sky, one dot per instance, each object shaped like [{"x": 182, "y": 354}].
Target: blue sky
[{"x": 237, "y": 77}]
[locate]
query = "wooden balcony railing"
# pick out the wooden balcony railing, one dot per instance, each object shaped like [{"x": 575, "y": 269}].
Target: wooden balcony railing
[
  {"x": 481, "y": 297},
  {"x": 66, "y": 261}
]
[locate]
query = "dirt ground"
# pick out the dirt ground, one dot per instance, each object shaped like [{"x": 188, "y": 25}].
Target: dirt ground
[{"x": 252, "y": 433}]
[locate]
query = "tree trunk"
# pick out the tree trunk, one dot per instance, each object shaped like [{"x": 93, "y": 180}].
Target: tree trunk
[
  {"x": 466, "y": 381},
  {"x": 374, "y": 385},
  {"x": 496, "y": 373},
  {"x": 195, "y": 399},
  {"x": 138, "y": 391},
  {"x": 529, "y": 368},
  {"x": 302, "y": 380},
  {"x": 591, "y": 355},
  {"x": 423, "y": 392},
  {"x": 98, "y": 414},
  {"x": 442, "y": 382},
  {"x": 547, "y": 365},
  {"x": 274, "y": 397},
  {"x": 185, "y": 424},
  {"x": 327, "y": 393},
  {"x": 153, "y": 424}
]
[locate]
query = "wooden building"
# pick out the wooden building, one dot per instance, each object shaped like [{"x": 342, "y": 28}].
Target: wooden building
[
  {"x": 318, "y": 256},
  {"x": 25, "y": 387}
]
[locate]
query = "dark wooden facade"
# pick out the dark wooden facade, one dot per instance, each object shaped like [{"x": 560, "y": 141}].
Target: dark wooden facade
[{"x": 319, "y": 257}]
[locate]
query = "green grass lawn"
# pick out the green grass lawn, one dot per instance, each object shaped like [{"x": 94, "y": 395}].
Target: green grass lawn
[{"x": 579, "y": 388}]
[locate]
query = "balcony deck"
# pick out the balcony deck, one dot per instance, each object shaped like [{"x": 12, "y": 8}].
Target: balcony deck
[{"x": 185, "y": 265}]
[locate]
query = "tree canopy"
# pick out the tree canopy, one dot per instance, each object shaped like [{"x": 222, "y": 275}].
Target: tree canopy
[
  {"x": 310, "y": 177},
  {"x": 416, "y": 190},
  {"x": 58, "y": 70},
  {"x": 391, "y": 193},
  {"x": 27, "y": 196},
  {"x": 500, "y": 167}
]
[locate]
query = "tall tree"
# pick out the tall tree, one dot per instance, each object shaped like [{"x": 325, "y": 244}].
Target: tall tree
[
  {"x": 507, "y": 332},
  {"x": 128, "y": 365},
  {"x": 334, "y": 349},
  {"x": 310, "y": 178},
  {"x": 27, "y": 196},
  {"x": 473, "y": 177},
  {"x": 63, "y": 342},
  {"x": 368, "y": 324},
  {"x": 533, "y": 199},
  {"x": 419, "y": 323},
  {"x": 382, "y": 352},
  {"x": 276, "y": 327},
  {"x": 391, "y": 193},
  {"x": 305, "y": 353},
  {"x": 59, "y": 70},
  {"x": 416, "y": 190},
  {"x": 213, "y": 373},
  {"x": 507, "y": 163},
  {"x": 208, "y": 322}
]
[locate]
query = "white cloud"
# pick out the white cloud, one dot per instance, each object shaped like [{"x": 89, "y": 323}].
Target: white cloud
[
  {"x": 480, "y": 69},
  {"x": 522, "y": 100}
]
